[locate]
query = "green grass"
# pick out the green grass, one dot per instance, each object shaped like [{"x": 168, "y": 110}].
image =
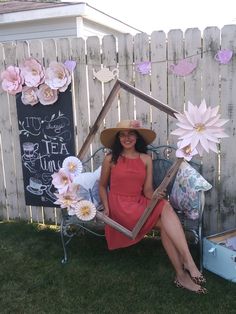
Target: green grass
[{"x": 138, "y": 279}]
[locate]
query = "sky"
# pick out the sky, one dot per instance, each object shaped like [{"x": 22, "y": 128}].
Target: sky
[{"x": 152, "y": 15}]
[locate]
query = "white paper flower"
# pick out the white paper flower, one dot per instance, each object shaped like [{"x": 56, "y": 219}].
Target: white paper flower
[
  {"x": 66, "y": 200},
  {"x": 72, "y": 165},
  {"x": 200, "y": 127},
  {"x": 186, "y": 152},
  {"x": 85, "y": 210},
  {"x": 61, "y": 181},
  {"x": 57, "y": 76}
]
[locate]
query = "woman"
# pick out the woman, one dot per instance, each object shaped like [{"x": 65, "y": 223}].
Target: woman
[{"x": 127, "y": 170}]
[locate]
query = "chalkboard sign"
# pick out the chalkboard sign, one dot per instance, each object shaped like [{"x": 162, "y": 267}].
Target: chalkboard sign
[{"x": 46, "y": 139}]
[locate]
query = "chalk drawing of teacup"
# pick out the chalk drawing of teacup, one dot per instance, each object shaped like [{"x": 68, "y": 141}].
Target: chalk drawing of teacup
[
  {"x": 36, "y": 186},
  {"x": 224, "y": 56},
  {"x": 30, "y": 149}
]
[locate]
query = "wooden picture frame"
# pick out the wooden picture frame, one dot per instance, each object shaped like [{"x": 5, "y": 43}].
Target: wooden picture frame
[{"x": 119, "y": 84}]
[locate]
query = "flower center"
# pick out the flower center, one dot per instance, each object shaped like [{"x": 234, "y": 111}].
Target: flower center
[
  {"x": 85, "y": 210},
  {"x": 199, "y": 127},
  {"x": 187, "y": 150},
  {"x": 72, "y": 166}
]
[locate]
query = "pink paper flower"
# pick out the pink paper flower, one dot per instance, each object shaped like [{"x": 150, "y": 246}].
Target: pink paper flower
[
  {"x": 200, "y": 128},
  {"x": 66, "y": 200},
  {"x": 57, "y": 76},
  {"x": 33, "y": 72},
  {"x": 62, "y": 181},
  {"x": 12, "y": 80},
  {"x": 46, "y": 95},
  {"x": 186, "y": 152},
  {"x": 29, "y": 95}
]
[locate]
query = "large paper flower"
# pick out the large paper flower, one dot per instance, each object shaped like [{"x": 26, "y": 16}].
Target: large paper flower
[
  {"x": 66, "y": 200},
  {"x": 85, "y": 210},
  {"x": 57, "y": 76},
  {"x": 33, "y": 72},
  {"x": 200, "y": 128},
  {"x": 12, "y": 80},
  {"x": 62, "y": 181},
  {"x": 46, "y": 95},
  {"x": 29, "y": 95},
  {"x": 72, "y": 165}
]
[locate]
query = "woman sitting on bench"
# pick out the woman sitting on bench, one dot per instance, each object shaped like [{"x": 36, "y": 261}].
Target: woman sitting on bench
[{"x": 128, "y": 172}]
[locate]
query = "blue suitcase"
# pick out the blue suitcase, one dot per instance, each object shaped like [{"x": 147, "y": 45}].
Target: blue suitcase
[{"x": 217, "y": 257}]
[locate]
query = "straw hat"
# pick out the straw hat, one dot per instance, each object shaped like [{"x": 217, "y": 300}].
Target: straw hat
[{"x": 107, "y": 136}]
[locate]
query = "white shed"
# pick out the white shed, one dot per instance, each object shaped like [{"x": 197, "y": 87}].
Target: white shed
[{"x": 25, "y": 20}]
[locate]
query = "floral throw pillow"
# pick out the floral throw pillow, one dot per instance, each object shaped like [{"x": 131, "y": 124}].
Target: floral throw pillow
[{"x": 185, "y": 194}]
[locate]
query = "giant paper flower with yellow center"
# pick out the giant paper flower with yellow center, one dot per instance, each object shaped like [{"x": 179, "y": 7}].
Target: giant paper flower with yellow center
[{"x": 200, "y": 128}]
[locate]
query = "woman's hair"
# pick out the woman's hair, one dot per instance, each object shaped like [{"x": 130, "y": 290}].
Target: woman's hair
[{"x": 117, "y": 148}]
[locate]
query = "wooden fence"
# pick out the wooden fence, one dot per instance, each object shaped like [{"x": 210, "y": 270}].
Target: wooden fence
[{"x": 212, "y": 81}]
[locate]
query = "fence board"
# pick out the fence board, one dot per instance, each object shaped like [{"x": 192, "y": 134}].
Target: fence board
[
  {"x": 210, "y": 92},
  {"x": 3, "y": 101},
  {"x": 50, "y": 54},
  {"x": 94, "y": 85},
  {"x": 109, "y": 60},
  {"x": 142, "y": 81},
  {"x": 193, "y": 50},
  {"x": 175, "y": 83},
  {"x": 80, "y": 92},
  {"x": 22, "y": 53},
  {"x": 125, "y": 60},
  {"x": 228, "y": 110},
  {"x": 158, "y": 84},
  {"x": 36, "y": 51},
  {"x": 8, "y": 108}
]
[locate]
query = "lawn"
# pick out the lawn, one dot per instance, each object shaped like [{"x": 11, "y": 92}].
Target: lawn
[{"x": 138, "y": 279}]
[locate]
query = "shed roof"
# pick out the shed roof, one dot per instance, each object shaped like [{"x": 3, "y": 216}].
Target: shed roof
[{"x": 21, "y": 11}]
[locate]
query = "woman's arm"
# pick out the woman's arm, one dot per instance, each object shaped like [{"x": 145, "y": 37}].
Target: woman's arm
[{"x": 104, "y": 181}]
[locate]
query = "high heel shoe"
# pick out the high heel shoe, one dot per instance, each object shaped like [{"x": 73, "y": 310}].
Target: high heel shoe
[
  {"x": 201, "y": 290},
  {"x": 198, "y": 280}
]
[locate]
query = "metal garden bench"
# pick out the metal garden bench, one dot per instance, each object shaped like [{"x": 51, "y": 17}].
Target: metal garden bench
[{"x": 163, "y": 157}]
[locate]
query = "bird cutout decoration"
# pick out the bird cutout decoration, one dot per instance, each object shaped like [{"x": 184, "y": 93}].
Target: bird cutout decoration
[
  {"x": 183, "y": 67},
  {"x": 224, "y": 56},
  {"x": 105, "y": 75},
  {"x": 144, "y": 67},
  {"x": 88, "y": 186}
]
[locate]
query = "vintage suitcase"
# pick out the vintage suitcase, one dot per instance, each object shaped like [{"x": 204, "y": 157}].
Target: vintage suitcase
[{"x": 219, "y": 254}]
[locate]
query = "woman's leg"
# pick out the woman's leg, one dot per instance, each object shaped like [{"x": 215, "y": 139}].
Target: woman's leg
[
  {"x": 175, "y": 258},
  {"x": 173, "y": 228}
]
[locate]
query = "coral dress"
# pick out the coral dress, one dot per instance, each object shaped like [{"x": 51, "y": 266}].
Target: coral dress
[{"x": 127, "y": 203}]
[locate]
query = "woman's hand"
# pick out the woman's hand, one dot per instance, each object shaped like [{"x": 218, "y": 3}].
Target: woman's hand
[
  {"x": 106, "y": 211},
  {"x": 161, "y": 194}
]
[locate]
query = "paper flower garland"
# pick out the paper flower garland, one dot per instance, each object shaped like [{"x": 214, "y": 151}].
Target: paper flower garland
[
  {"x": 68, "y": 182},
  {"x": 36, "y": 83},
  {"x": 200, "y": 128}
]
